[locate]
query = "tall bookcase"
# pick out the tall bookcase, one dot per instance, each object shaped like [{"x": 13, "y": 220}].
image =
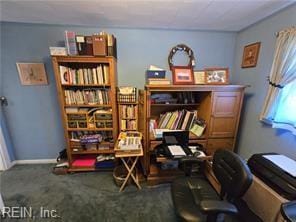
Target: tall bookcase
[{"x": 93, "y": 102}]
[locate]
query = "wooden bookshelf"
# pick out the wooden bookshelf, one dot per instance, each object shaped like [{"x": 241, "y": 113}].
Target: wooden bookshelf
[
  {"x": 128, "y": 112},
  {"x": 87, "y": 62},
  {"x": 218, "y": 105}
]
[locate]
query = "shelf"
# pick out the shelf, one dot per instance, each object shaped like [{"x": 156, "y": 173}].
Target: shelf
[
  {"x": 127, "y": 103},
  {"x": 199, "y": 88},
  {"x": 191, "y": 137},
  {"x": 175, "y": 104},
  {"x": 83, "y": 169},
  {"x": 166, "y": 159},
  {"x": 84, "y": 59},
  {"x": 91, "y": 106},
  {"x": 106, "y": 151},
  {"x": 88, "y": 129},
  {"x": 86, "y": 85}
]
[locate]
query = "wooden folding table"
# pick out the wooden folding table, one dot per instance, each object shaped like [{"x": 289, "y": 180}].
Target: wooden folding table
[{"x": 130, "y": 160}]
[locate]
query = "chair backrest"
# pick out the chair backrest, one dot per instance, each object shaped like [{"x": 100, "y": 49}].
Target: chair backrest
[{"x": 233, "y": 174}]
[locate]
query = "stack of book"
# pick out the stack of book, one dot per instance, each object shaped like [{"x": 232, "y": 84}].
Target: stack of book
[
  {"x": 86, "y": 97},
  {"x": 156, "y": 76},
  {"x": 101, "y": 44},
  {"x": 129, "y": 142},
  {"x": 128, "y": 124},
  {"x": 155, "y": 81},
  {"x": 96, "y": 75},
  {"x": 129, "y": 111},
  {"x": 177, "y": 120}
]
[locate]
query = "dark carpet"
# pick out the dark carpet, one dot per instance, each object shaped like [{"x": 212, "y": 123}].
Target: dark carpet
[{"x": 83, "y": 197}]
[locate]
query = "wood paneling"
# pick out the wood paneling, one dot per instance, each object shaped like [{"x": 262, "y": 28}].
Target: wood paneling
[
  {"x": 225, "y": 112},
  {"x": 214, "y": 144}
]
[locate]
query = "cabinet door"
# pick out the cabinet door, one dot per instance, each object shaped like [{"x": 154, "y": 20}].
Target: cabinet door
[
  {"x": 225, "y": 111},
  {"x": 214, "y": 144}
]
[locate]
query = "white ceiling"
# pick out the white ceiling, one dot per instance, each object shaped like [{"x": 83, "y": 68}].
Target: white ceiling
[{"x": 222, "y": 15}]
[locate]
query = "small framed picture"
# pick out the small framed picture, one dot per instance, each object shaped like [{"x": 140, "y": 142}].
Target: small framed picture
[
  {"x": 182, "y": 75},
  {"x": 199, "y": 77},
  {"x": 32, "y": 73},
  {"x": 217, "y": 76},
  {"x": 250, "y": 55}
]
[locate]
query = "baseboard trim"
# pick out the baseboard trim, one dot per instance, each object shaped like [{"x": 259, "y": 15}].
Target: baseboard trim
[{"x": 38, "y": 161}]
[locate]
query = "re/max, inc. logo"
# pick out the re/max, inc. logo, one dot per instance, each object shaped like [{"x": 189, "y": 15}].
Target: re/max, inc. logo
[{"x": 27, "y": 212}]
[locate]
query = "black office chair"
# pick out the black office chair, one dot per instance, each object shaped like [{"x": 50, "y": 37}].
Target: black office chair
[
  {"x": 196, "y": 200},
  {"x": 288, "y": 211}
]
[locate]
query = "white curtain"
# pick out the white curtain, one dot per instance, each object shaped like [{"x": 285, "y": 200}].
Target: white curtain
[{"x": 282, "y": 80}]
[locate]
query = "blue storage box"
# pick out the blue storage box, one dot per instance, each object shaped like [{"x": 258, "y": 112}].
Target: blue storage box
[
  {"x": 105, "y": 164},
  {"x": 155, "y": 74}
]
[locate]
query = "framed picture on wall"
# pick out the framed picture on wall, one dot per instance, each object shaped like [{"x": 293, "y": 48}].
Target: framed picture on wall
[
  {"x": 32, "y": 73},
  {"x": 182, "y": 75},
  {"x": 217, "y": 76},
  {"x": 250, "y": 55}
]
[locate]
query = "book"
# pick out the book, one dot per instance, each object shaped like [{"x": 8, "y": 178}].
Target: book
[
  {"x": 106, "y": 74},
  {"x": 197, "y": 130},
  {"x": 89, "y": 45},
  {"x": 70, "y": 42},
  {"x": 185, "y": 120},
  {"x": 84, "y": 162},
  {"x": 99, "y": 45},
  {"x": 65, "y": 75},
  {"x": 155, "y": 81},
  {"x": 189, "y": 122},
  {"x": 80, "y": 44},
  {"x": 111, "y": 44}
]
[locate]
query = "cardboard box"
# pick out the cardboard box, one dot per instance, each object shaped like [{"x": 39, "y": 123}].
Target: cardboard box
[{"x": 58, "y": 51}]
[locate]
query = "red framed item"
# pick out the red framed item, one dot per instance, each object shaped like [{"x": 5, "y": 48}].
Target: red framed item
[{"x": 182, "y": 75}]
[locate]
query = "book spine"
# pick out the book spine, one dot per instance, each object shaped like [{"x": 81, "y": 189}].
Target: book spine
[{"x": 70, "y": 42}]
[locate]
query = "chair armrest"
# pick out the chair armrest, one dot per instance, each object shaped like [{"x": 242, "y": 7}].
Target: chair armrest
[
  {"x": 216, "y": 206},
  {"x": 288, "y": 211}
]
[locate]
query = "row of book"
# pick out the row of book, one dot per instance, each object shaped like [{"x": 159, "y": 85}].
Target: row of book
[
  {"x": 128, "y": 124},
  {"x": 177, "y": 120},
  {"x": 128, "y": 111},
  {"x": 98, "y": 44},
  {"x": 98, "y": 75},
  {"x": 86, "y": 97}
]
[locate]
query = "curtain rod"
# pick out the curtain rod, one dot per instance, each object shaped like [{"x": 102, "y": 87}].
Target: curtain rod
[{"x": 277, "y": 33}]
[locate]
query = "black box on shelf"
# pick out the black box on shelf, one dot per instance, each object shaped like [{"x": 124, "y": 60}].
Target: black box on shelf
[{"x": 155, "y": 74}]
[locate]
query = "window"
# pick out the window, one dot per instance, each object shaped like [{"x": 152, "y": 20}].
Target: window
[
  {"x": 279, "y": 108},
  {"x": 285, "y": 116}
]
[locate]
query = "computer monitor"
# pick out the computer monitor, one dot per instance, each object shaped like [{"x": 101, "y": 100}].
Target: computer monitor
[{"x": 176, "y": 138}]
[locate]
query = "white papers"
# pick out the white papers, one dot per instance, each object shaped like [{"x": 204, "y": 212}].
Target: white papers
[
  {"x": 158, "y": 132},
  {"x": 176, "y": 150},
  {"x": 287, "y": 164}
]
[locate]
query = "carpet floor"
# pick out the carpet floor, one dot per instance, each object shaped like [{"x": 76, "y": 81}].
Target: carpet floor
[{"x": 82, "y": 197}]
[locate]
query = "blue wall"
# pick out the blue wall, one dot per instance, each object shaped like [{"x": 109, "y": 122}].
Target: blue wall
[
  {"x": 33, "y": 116},
  {"x": 254, "y": 136}
]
